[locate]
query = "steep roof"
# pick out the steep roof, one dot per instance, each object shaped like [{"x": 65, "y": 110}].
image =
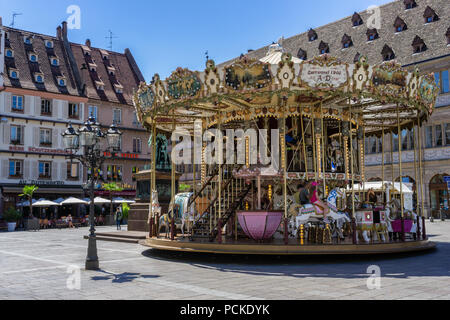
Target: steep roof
[
  {"x": 27, "y": 69},
  {"x": 116, "y": 73},
  {"x": 433, "y": 35}
]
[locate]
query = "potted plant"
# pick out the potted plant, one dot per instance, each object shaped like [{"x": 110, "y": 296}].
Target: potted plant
[
  {"x": 12, "y": 216},
  {"x": 28, "y": 192}
]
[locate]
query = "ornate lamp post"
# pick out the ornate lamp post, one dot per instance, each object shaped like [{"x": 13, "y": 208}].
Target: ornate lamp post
[{"x": 89, "y": 138}]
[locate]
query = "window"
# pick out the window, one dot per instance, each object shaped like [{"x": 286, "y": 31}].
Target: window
[
  {"x": 73, "y": 170},
  {"x": 16, "y": 135},
  {"x": 45, "y": 137},
  {"x": 429, "y": 15},
  {"x": 372, "y": 145},
  {"x": 409, "y": 4},
  {"x": 114, "y": 173},
  {"x": 395, "y": 141},
  {"x": 61, "y": 82},
  {"x": 46, "y": 107},
  {"x": 356, "y": 20},
  {"x": 324, "y": 48},
  {"x": 387, "y": 53},
  {"x": 447, "y": 134},
  {"x": 400, "y": 25},
  {"x": 438, "y": 135},
  {"x": 27, "y": 40},
  {"x": 93, "y": 112},
  {"x": 346, "y": 41},
  {"x": 134, "y": 170},
  {"x": 137, "y": 145},
  {"x": 15, "y": 168},
  {"x": 49, "y": 44},
  {"x": 302, "y": 54},
  {"x": 372, "y": 34},
  {"x": 33, "y": 58},
  {"x": 14, "y": 74},
  {"x": 312, "y": 35},
  {"x": 39, "y": 78},
  {"x": 17, "y": 103},
  {"x": 429, "y": 137},
  {"x": 9, "y": 53},
  {"x": 55, "y": 62},
  {"x": 405, "y": 139},
  {"x": 117, "y": 116},
  {"x": 45, "y": 169},
  {"x": 442, "y": 81},
  {"x": 419, "y": 45},
  {"x": 74, "y": 111}
]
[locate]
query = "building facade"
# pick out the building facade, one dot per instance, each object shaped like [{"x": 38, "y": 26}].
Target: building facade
[
  {"x": 415, "y": 33},
  {"x": 48, "y": 82}
]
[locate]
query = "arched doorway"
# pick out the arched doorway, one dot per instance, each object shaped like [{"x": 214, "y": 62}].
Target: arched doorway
[{"x": 439, "y": 195}]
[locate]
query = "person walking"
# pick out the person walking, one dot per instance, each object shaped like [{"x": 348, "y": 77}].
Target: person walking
[{"x": 118, "y": 217}]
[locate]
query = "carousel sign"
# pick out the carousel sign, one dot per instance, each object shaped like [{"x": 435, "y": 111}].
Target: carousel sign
[{"x": 322, "y": 74}]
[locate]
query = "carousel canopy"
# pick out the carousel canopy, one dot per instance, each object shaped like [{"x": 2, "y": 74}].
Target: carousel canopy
[{"x": 372, "y": 96}]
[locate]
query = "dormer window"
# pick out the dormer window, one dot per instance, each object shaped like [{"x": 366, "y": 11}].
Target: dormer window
[
  {"x": 324, "y": 48},
  {"x": 9, "y": 53},
  {"x": 54, "y": 62},
  {"x": 33, "y": 57},
  {"x": 312, "y": 35},
  {"x": 409, "y": 4},
  {"x": 372, "y": 34},
  {"x": 357, "y": 20},
  {"x": 119, "y": 88},
  {"x": 387, "y": 53},
  {"x": 430, "y": 16},
  {"x": 448, "y": 36},
  {"x": 400, "y": 25},
  {"x": 100, "y": 85},
  {"x": 14, "y": 74},
  {"x": 27, "y": 40},
  {"x": 61, "y": 81},
  {"x": 356, "y": 58},
  {"x": 346, "y": 41},
  {"x": 105, "y": 54},
  {"x": 302, "y": 54},
  {"x": 419, "y": 45},
  {"x": 39, "y": 78},
  {"x": 49, "y": 44}
]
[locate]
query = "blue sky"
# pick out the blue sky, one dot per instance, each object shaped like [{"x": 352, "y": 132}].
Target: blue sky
[{"x": 164, "y": 34}]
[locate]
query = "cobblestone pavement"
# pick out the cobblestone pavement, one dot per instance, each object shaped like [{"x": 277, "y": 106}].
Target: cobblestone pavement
[{"x": 43, "y": 265}]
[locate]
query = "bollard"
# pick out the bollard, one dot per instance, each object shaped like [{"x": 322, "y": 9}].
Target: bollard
[{"x": 424, "y": 231}]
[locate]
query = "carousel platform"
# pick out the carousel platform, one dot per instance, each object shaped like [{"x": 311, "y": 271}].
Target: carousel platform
[{"x": 277, "y": 247}]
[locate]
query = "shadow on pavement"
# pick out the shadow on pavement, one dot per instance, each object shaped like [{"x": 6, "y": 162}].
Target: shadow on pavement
[{"x": 122, "y": 277}]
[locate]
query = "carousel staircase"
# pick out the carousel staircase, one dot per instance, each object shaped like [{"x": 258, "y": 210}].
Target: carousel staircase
[{"x": 202, "y": 226}]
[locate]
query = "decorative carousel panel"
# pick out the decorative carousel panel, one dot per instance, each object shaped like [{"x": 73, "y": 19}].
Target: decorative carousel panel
[
  {"x": 159, "y": 89},
  {"x": 360, "y": 76},
  {"x": 183, "y": 84},
  {"x": 248, "y": 74},
  {"x": 389, "y": 79},
  {"x": 413, "y": 86},
  {"x": 428, "y": 91},
  {"x": 324, "y": 73},
  {"x": 212, "y": 78},
  {"x": 286, "y": 71}
]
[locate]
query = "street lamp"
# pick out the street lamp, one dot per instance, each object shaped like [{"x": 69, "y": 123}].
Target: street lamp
[{"x": 88, "y": 138}]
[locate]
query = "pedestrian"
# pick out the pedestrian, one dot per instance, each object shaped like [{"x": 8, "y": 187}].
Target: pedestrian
[{"x": 118, "y": 217}]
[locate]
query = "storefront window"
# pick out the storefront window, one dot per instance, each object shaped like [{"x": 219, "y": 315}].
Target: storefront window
[
  {"x": 439, "y": 195},
  {"x": 429, "y": 136}
]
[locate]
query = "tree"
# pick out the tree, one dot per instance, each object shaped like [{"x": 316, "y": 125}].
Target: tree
[
  {"x": 28, "y": 192},
  {"x": 112, "y": 187}
]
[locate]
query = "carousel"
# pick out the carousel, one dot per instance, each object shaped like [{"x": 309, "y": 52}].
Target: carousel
[{"x": 279, "y": 144}]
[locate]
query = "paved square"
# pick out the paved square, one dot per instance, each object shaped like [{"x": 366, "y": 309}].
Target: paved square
[{"x": 44, "y": 265}]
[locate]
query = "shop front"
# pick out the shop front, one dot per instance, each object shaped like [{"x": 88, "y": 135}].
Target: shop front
[{"x": 439, "y": 195}]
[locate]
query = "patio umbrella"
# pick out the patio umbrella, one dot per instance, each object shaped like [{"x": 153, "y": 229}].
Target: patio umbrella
[
  {"x": 26, "y": 203},
  {"x": 122, "y": 200},
  {"x": 72, "y": 200},
  {"x": 43, "y": 203},
  {"x": 59, "y": 200},
  {"x": 99, "y": 200}
]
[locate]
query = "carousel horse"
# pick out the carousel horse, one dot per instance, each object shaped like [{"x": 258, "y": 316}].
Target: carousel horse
[
  {"x": 394, "y": 213},
  {"x": 338, "y": 219},
  {"x": 165, "y": 220},
  {"x": 186, "y": 213},
  {"x": 156, "y": 208}
]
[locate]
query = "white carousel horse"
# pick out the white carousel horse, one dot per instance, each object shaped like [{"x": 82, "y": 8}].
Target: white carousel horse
[
  {"x": 338, "y": 217},
  {"x": 155, "y": 206},
  {"x": 186, "y": 213},
  {"x": 165, "y": 220}
]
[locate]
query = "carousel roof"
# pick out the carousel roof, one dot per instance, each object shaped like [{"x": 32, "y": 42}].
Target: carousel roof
[{"x": 280, "y": 85}]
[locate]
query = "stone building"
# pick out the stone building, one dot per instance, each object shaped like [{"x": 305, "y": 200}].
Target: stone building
[
  {"x": 47, "y": 82},
  {"x": 415, "y": 33}
]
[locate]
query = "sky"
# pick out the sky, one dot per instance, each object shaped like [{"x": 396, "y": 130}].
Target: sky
[{"x": 166, "y": 34}]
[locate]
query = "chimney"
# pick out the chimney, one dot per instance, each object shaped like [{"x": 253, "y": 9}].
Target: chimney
[
  {"x": 1, "y": 23},
  {"x": 64, "y": 30},
  {"x": 59, "y": 32},
  {"x": 88, "y": 43}
]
